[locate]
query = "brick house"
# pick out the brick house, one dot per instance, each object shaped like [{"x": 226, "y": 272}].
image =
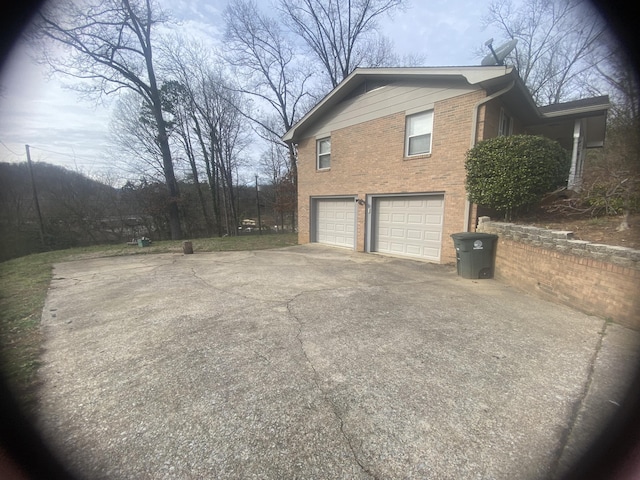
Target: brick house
[{"x": 381, "y": 157}]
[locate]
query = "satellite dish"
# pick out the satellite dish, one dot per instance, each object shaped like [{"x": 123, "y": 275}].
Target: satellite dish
[{"x": 497, "y": 56}]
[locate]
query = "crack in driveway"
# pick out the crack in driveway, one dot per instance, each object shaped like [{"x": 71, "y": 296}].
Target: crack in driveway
[
  {"x": 577, "y": 408},
  {"x": 325, "y": 395}
]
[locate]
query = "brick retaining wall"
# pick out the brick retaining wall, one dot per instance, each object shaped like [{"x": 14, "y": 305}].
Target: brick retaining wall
[{"x": 597, "y": 279}]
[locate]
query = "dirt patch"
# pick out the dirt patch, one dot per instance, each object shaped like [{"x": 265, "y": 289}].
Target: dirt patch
[{"x": 597, "y": 230}]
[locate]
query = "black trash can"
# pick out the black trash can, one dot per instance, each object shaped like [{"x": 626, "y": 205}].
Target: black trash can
[{"x": 475, "y": 254}]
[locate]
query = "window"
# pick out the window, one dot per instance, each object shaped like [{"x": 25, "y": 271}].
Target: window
[
  {"x": 323, "y": 147},
  {"x": 418, "y": 133},
  {"x": 505, "y": 127}
]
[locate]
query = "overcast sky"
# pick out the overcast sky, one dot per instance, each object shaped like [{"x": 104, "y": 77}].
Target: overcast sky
[{"x": 63, "y": 129}]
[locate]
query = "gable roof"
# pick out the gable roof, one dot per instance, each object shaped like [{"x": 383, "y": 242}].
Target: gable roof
[
  {"x": 362, "y": 77},
  {"x": 490, "y": 78}
]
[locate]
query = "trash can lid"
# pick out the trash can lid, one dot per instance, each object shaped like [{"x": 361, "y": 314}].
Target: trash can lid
[{"x": 472, "y": 236}]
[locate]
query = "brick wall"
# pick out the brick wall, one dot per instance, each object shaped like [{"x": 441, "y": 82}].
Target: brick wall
[
  {"x": 368, "y": 158},
  {"x": 598, "y": 279},
  {"x": 491, "y": 120}
]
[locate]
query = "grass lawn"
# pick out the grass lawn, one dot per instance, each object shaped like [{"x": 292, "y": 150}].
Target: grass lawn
[{"x": 23, "y": 287}]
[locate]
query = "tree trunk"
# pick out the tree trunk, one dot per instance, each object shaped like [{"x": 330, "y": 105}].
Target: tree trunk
[
  {"x": 196, "y": 181},
  {"x": 169, "y": 175},
  {"x": 163, "y": 139},
  {"x": 624, "y": 224}
]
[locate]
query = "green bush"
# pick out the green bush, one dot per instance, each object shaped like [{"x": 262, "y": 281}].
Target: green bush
[{"x": 511, "y": 174}]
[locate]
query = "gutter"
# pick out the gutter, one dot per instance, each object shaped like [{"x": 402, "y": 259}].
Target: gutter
[
  {"x": 474, "y": 136},
  {"x": 595, "y": 109}
]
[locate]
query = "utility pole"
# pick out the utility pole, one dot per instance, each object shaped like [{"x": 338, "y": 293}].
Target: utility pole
[
  {"x": 258, "y": 203},
  {"x": 35, "y": 195}
]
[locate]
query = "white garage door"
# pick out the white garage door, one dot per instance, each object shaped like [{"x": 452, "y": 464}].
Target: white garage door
[
  {"x": 409, "y": 226},
  {"x": 335, "y": 221}
]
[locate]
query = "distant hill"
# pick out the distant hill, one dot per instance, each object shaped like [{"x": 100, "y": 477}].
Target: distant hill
[{"x": 71, "y": 205}]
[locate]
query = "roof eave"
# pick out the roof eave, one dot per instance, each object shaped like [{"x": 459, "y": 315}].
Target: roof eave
[{"x": 575, "y": 112}]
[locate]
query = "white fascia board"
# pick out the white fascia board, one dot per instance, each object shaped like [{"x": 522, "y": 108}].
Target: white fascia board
[{"x": 577, "y": 111}]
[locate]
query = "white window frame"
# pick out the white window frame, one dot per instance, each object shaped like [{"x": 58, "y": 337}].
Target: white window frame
[
  {"x": 323, "y": 155},
  {"x": 505, "y": 126},
  {"x": 427, "y": 116}
]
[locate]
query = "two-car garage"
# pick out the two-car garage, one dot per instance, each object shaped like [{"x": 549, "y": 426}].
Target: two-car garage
[{"x": 402, "y": 225}]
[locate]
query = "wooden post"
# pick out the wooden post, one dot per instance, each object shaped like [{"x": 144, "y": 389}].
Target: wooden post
[
  {"x": 258, "y": 204},
  {"x": 35, "y": 196}
]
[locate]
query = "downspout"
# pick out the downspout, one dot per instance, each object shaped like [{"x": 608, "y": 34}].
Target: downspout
[
  {"x": 474, "y": 136},
  {"x": 575, "y": 172}
]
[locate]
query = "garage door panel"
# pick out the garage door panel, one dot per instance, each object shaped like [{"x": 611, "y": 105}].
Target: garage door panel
[
  {"x": 433, "y": 236},
  {"x": 415, "y": 234},
  {"x": 335, "y": 224},
  {"x": 396, "y": 247},
  {"x": 397, "y": 233},
  {"x": 409, "y": 226},
  {"x": 432, "y": 252},
  {"x": 415, "y": 218}
]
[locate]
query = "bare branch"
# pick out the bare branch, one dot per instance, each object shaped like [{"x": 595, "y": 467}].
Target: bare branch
[
  {"x": 335, "y": 31},
  {"x": 559, "y": 41},
  {"x": 109, "y": 43}
]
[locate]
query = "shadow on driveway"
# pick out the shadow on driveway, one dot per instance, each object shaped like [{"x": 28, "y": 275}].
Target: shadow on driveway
[{"x": 312, "y": 362}]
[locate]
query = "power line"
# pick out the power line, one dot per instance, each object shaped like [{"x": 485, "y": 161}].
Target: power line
[
  {"x": 75, "y": 157},
  {"x": 5, "y": 146},
  {"x": 83, "y": 160}
]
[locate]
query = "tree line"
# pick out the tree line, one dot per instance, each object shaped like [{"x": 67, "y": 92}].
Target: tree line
[
  {"x": 75, "y": 210},
  {"x": 190, "y": 114}
]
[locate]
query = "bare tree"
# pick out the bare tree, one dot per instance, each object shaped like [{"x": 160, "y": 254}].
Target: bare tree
[
  {"x": 268, "y": 66},
  {"x": 270, "y": 70},
  {"x": 109, "y": 43},
  {"x": 558, "y": 42},
  {"x": 341, "y": 34},
  {"x": 281, "y": 194},
  {"x": 620, "y": 78},
  {"x": 135, "y": 135},
  {"x": 179, "y": 103},
  {"x": 214, "y": 120}
]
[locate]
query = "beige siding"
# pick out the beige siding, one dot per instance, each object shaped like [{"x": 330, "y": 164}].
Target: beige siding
[{"x": 400, "y": 97}]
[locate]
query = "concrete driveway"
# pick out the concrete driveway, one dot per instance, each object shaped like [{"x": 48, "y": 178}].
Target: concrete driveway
[{"x": 312, "y": 362}]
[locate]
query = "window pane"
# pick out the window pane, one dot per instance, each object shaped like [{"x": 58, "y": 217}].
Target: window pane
[
  {"x": 420, "y": 124},
  {"x": 505, "y": 126},
  {"x": 324, "y": 146},
  {"x": 324, "y": 161},
  {"x": 420, "y": 144}
]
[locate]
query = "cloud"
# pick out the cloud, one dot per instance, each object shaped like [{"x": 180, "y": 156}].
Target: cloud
[{"x": 446, "y": 33}]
